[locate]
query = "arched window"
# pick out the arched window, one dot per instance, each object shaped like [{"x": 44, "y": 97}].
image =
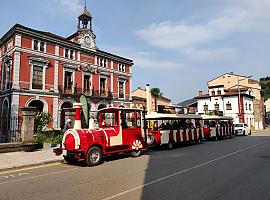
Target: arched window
[
  {"x": 101, "y": 106},
  {"x": 5, "y": 113},
  {"x": 37, "y": 104}
]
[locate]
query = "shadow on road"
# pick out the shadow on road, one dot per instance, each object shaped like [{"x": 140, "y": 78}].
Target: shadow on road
[{"x": 202, "y": 172}]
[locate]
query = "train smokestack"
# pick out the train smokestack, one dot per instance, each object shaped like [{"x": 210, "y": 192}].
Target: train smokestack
[
  {"x": 77, "y": 123},
  {"x": 148, "y": 99}
]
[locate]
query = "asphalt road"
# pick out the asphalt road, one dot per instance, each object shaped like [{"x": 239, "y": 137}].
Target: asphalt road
[{"x": 237, "y": 168}]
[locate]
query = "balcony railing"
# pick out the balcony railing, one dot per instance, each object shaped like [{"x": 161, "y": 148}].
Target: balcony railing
[
  {"x": 37, "y": 86},
  {"x": 75, "y": 91}
]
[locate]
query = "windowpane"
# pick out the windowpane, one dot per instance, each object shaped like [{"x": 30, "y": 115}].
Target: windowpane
[
  {"x": 109, "y": 119},
  {"x": 71, "y": 54},
  {"x": 42, "y": 46},
  {"x": 121, "y": 90},
  {"x": 37, "y": 77},
  {"x": 216, "y": 106},
  {"x": 35, "y": 45},
  {"x": 228, "y": 106},
  {"x": 66, "y": 53}
]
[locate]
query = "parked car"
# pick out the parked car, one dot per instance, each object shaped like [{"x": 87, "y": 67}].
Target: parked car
[{"x": 241, "y": 129}]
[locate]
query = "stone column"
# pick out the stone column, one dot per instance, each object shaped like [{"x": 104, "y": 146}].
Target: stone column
[{"x": 27, "y": 128}]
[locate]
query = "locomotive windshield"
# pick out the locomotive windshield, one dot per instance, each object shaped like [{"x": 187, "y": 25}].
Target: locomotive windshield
[{"x": 109, "y": 118}]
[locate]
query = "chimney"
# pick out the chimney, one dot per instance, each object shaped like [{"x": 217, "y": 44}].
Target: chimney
[
  {"x": 148, "y": 99},
  {"x": 77, "y": 123},
  {"x": 200, "y": 93}
]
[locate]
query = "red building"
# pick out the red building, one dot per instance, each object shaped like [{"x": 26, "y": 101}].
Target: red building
[{"x": 50, "y": 72}]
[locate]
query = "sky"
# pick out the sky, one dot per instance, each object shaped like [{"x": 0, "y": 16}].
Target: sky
[{"x": 176, "y": 45}]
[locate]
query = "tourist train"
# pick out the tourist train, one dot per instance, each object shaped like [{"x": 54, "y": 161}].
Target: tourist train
[
  {"x": 171, "y": 129},
  {"x": 120, "y": 130}
]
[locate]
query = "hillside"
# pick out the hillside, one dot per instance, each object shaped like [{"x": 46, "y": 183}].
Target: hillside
[{"x": 265, "y": 83}]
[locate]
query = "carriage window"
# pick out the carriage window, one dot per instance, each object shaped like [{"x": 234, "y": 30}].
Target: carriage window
[
  {"x": 128, "y": 119},
  {"x": 109, "y": 119},
  {"x": 212, "y": 124},
  {"x": 138, "y": 119}
]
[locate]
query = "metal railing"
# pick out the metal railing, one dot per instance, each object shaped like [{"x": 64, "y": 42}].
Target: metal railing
[
  {"x": 87, "y": 92},
  {"x": 10, "y": 129}
]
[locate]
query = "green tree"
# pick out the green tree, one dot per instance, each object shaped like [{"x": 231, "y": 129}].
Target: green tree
[
  {"x": 156, "y": 93},
  {"x": 265, "y": 84}
]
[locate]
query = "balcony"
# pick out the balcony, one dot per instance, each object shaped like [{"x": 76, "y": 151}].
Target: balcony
[
  {"x": 37, "y": 86},
  {"x": 77, "y": 92}
]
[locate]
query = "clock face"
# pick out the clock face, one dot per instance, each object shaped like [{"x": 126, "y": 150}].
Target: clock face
[{"x": 87, "y": 39}]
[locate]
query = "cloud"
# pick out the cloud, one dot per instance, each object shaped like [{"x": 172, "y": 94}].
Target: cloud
[
  {"x": 69, "y": 7},
  {"x": 176, "y": 36},
  {"x": 72, "y": 5},
  {"x": 145, "y": 59},
  {"x": 144, "y": 62},
  {"x": 204, "y": 55},
  {"x": 192, "y": 37}
]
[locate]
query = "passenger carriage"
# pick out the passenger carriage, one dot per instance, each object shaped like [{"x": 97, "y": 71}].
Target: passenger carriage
[
  {"x": 120, "y": 130},
  {"x": 171, "y": 129},
  {"x": 217, "y": 127}
]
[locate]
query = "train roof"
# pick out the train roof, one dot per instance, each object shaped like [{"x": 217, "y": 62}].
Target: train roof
[
  {"x": 117, "y": 108},
  {"x": 213, "y": 117},
  {"x": 172, "y": 116}
]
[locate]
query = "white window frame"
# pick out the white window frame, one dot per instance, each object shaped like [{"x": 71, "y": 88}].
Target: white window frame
[
  {"x": 72, "y": 78},
  {"x": 121, "y": 67},
  {"x": 44, "y": 66},
  {"x": 106, "y": 83},
  {"x": 69, "y": 55},
  {"x": 91, "y": 81},
  {"x": 124, "y": 88},
  {"x": 45, "y": 45}
]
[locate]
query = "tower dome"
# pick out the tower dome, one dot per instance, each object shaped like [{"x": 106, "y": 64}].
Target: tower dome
[{"x": 84, "y": 19}]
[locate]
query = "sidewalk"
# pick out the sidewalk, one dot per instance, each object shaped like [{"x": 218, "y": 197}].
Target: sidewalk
[
  {"x": 21, "y": 158},
  {"x": 264, "y": 132}
]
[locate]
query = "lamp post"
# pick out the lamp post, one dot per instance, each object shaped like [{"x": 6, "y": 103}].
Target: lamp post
[
  {"x": 239, "y": 101},
  {"x": 240, "y": 106}
]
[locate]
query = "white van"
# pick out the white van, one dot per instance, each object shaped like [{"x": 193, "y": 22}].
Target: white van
[{"x": 241, "y": 129}]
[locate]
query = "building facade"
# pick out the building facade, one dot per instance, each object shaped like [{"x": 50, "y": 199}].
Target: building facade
[
  {"x": 158, "y": 103},
  {"x": 50, "y": 72},
  {"x": 234, "y": 81},
  {"x": 228, "y": 103}
]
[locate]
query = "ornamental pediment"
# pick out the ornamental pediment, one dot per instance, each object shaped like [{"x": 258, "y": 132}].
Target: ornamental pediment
[
  {"x": 88, "y": 68},
  {"x": 38, "y": 59}
]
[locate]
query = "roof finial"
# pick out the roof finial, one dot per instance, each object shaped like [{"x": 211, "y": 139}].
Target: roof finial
[{"x": 85, "y": 4}]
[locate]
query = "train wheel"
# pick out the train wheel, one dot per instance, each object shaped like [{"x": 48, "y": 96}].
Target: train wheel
[
  {"x": 135, "y": 154},
  {"x": 170, "y": 145},
  {"x": 70, "y": 159},
  {"x": 93, "y": 156}
]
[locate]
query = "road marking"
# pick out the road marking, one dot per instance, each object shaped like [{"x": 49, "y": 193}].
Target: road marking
[
  {"x": 38, "y": 176},
  {"x": 13, "y": 176},
  {"x": 29, "y": 168},
  {"x": 181, "y": 172}
]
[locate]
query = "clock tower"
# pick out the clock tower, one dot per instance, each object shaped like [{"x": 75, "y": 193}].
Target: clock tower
[{"x": 86, "y": 37}]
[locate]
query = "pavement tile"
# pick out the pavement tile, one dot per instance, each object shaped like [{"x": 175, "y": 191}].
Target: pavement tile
[{"x": 21, "y": 158}]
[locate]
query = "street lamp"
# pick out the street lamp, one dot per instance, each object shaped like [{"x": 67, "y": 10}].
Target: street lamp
[{"x": 240, "y": 106}]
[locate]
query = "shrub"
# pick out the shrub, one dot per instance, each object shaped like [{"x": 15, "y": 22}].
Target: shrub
[{"x": 42, "y": 119}]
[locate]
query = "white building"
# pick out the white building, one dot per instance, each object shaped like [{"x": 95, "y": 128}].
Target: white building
[{"x": 227, "y": 102}]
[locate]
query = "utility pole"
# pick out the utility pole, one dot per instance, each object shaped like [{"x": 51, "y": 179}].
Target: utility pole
[{"x": 239, "y": 101}]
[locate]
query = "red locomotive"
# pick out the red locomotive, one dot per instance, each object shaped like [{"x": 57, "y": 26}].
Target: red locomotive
[{"x": 120, "y": 130}]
